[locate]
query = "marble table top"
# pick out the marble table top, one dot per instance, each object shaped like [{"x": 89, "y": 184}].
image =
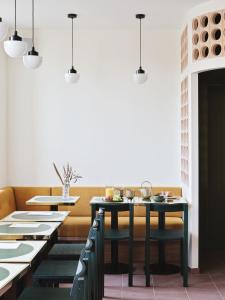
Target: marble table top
[
  {"x": 8, "y": 273},
  {"x": 36, "y": 216},
  {"x": 20, "y": 230},
  {"x": 52, "y": 200},
  {"x": 12, "y": 251}
]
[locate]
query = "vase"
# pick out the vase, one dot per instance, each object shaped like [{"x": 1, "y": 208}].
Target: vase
[{"x": 66, "y": 191}]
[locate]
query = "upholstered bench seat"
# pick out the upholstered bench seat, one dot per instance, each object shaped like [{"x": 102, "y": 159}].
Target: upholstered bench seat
[{"x": 79, "y": 226}]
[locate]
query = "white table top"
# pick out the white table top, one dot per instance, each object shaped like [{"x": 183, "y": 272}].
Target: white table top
[
  {"x": 19, "y": 230},
  {"x": 52, "y": 200},
  {"x": 36, "y": 216},
  {"x": 138, "y": 201},
  {"x": 13, "y": 270},
  {"x": 24, "y": 252}
]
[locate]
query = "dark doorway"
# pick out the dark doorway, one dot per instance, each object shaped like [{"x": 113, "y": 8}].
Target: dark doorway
[{"x": 211, "y": 165}]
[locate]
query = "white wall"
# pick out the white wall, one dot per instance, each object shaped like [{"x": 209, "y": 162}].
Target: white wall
[
  {"x": 112, "y": 130},
  {"x": 3, "y": 118}
]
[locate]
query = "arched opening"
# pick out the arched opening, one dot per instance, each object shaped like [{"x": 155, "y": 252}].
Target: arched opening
[{"x": 211, "y": 167}]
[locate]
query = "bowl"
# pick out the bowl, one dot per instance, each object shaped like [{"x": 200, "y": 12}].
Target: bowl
[{"x": 158, "y": 198}]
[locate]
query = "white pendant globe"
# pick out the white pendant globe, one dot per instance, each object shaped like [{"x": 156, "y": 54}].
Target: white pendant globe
[
  {"x": 15, "y": 48},
  {"x": 71, "y": 77},
  {"x": 3, "y": 30},
  {"x": 140, "y": 77},
  {"x": 32, "y": 61}
]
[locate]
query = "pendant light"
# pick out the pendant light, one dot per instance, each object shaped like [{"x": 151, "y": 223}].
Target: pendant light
[
  {"x": 72, "y": 75},
  {"x": 15, "y": 46},
  {"x": 32, "y": 60},
  {"x": 3, "y": 30},
  {"x": 140, "y": 76}
]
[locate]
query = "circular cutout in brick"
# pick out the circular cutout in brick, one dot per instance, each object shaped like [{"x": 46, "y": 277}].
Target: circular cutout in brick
[
  {"x": 204, "y": 21},
  {"x": 195, "y": 39},
  {"x": 216, "y": 34},
  {"x": 216, "y": 49},
  {"x": 204, "y": 36},
  {"x": 195, "y": 24},
  {"x": 195, "y": 54},
  {"x": 205, "y": 51},
  {"x": 216, "y": 18}
]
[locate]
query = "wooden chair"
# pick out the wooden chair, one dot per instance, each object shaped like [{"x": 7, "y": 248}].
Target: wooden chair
[
  {"x": 81, "y": 288},
  {"x": 115, "y": 234},
  {"x": 53, "y": 272},
  {"x": 162, "y": 235}
]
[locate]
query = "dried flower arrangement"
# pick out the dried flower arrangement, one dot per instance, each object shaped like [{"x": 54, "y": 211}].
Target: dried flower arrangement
[{"x": 68, "y": 174}]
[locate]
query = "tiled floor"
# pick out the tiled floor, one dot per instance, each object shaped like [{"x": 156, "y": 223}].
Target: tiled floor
[{"x": 209, "y": 285}]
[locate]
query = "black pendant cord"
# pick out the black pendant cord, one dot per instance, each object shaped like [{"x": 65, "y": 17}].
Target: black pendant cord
[
  {"x": 15, "y": 15},
  {"x": 140, "y": 43},
  {"x": 72, "y": 42},
  {"x": 32, "y": 23}
]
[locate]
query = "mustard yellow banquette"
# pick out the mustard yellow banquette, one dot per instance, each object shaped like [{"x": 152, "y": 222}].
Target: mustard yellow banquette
[{"x": 77, "y": 224}]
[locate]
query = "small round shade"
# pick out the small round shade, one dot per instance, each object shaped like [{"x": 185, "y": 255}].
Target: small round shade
[
  {"x": 32, "y": 61},
  {"x": 71, "y": 77},
  {"x": 3, "y": 30},
  {"x": 15, "y": 48},
  {"x": 140, "y": 77}
]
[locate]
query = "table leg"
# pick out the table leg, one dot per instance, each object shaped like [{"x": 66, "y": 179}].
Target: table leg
[
  {"x": 93, "y": 212},
  {"x": 54, "y": 207}
]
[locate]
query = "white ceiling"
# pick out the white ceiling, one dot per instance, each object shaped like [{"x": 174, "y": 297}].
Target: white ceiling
[{"x": 98, "y": 13}]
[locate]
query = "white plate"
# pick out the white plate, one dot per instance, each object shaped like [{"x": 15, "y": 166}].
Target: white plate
[
  {"x": 9, "y": 246},
  {"x": 36, "y": 213},
  {"x": 19, "y": 225}
]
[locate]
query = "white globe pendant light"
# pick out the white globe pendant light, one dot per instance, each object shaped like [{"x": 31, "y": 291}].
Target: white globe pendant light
[
  {"x": 15, "y": 46},
  {"x": 140, "y": 76},
  {"x": 32, "y": 60},
  {"x": 72, "y": 76},
  {"x": 3, "y": 30}
]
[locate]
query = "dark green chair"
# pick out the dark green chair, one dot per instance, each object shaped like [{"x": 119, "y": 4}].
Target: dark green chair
[
  {"x": 66, "y": 251},
  {"x": 52, "y": 272},
  {"x": 81, "y": 289},
  {"x": 162, "y": 235},
  {"x": 115, "y": 234}
]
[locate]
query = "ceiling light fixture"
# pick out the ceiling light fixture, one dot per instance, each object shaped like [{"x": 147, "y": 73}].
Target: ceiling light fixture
[
  {"x": 140, "y": 76},
  {"x": 15, "y": 46},
  {"x": 3, "y": 30},
  {"x": 32, "y": 60},
  {"x": 72, "y": 75}
]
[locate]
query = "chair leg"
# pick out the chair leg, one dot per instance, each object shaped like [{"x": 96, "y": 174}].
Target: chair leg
[
  {"x": 181, "y": 258},
  {"x": 147, "y": 261},
  {"x": 185, "y": 263},
  {"x": 130, "y": 275}
]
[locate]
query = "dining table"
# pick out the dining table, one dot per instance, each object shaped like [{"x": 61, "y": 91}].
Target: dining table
[
  {"x": 14, "y": 251},
  {"x": 10, "y": 273},
  {"x": 53, "y": 201},
  {"x": 161, "y": 267},
  {"x": 36, "y": 216},
  {"x": 29, "y": 230}
]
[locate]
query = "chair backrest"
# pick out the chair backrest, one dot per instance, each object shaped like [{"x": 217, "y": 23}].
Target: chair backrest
[
  {"x": 163, "y": 208},
  {"x": 86, "y": 284},
  {"x": 80, "y": 278}
]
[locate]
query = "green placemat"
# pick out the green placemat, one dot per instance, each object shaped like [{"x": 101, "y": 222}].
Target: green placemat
[
  {"x": 25, "y": 216},
  {"x": 23, "y": 249},
  {"x": 6, "y": 229},
  {"x": 3, "y": 273}
]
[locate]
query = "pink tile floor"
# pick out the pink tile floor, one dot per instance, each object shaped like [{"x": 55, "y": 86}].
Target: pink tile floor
[{"x": 209, "y": 285}]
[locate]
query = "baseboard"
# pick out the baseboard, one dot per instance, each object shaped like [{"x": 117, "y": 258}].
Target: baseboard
[{"x": 194, "y": 270}]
